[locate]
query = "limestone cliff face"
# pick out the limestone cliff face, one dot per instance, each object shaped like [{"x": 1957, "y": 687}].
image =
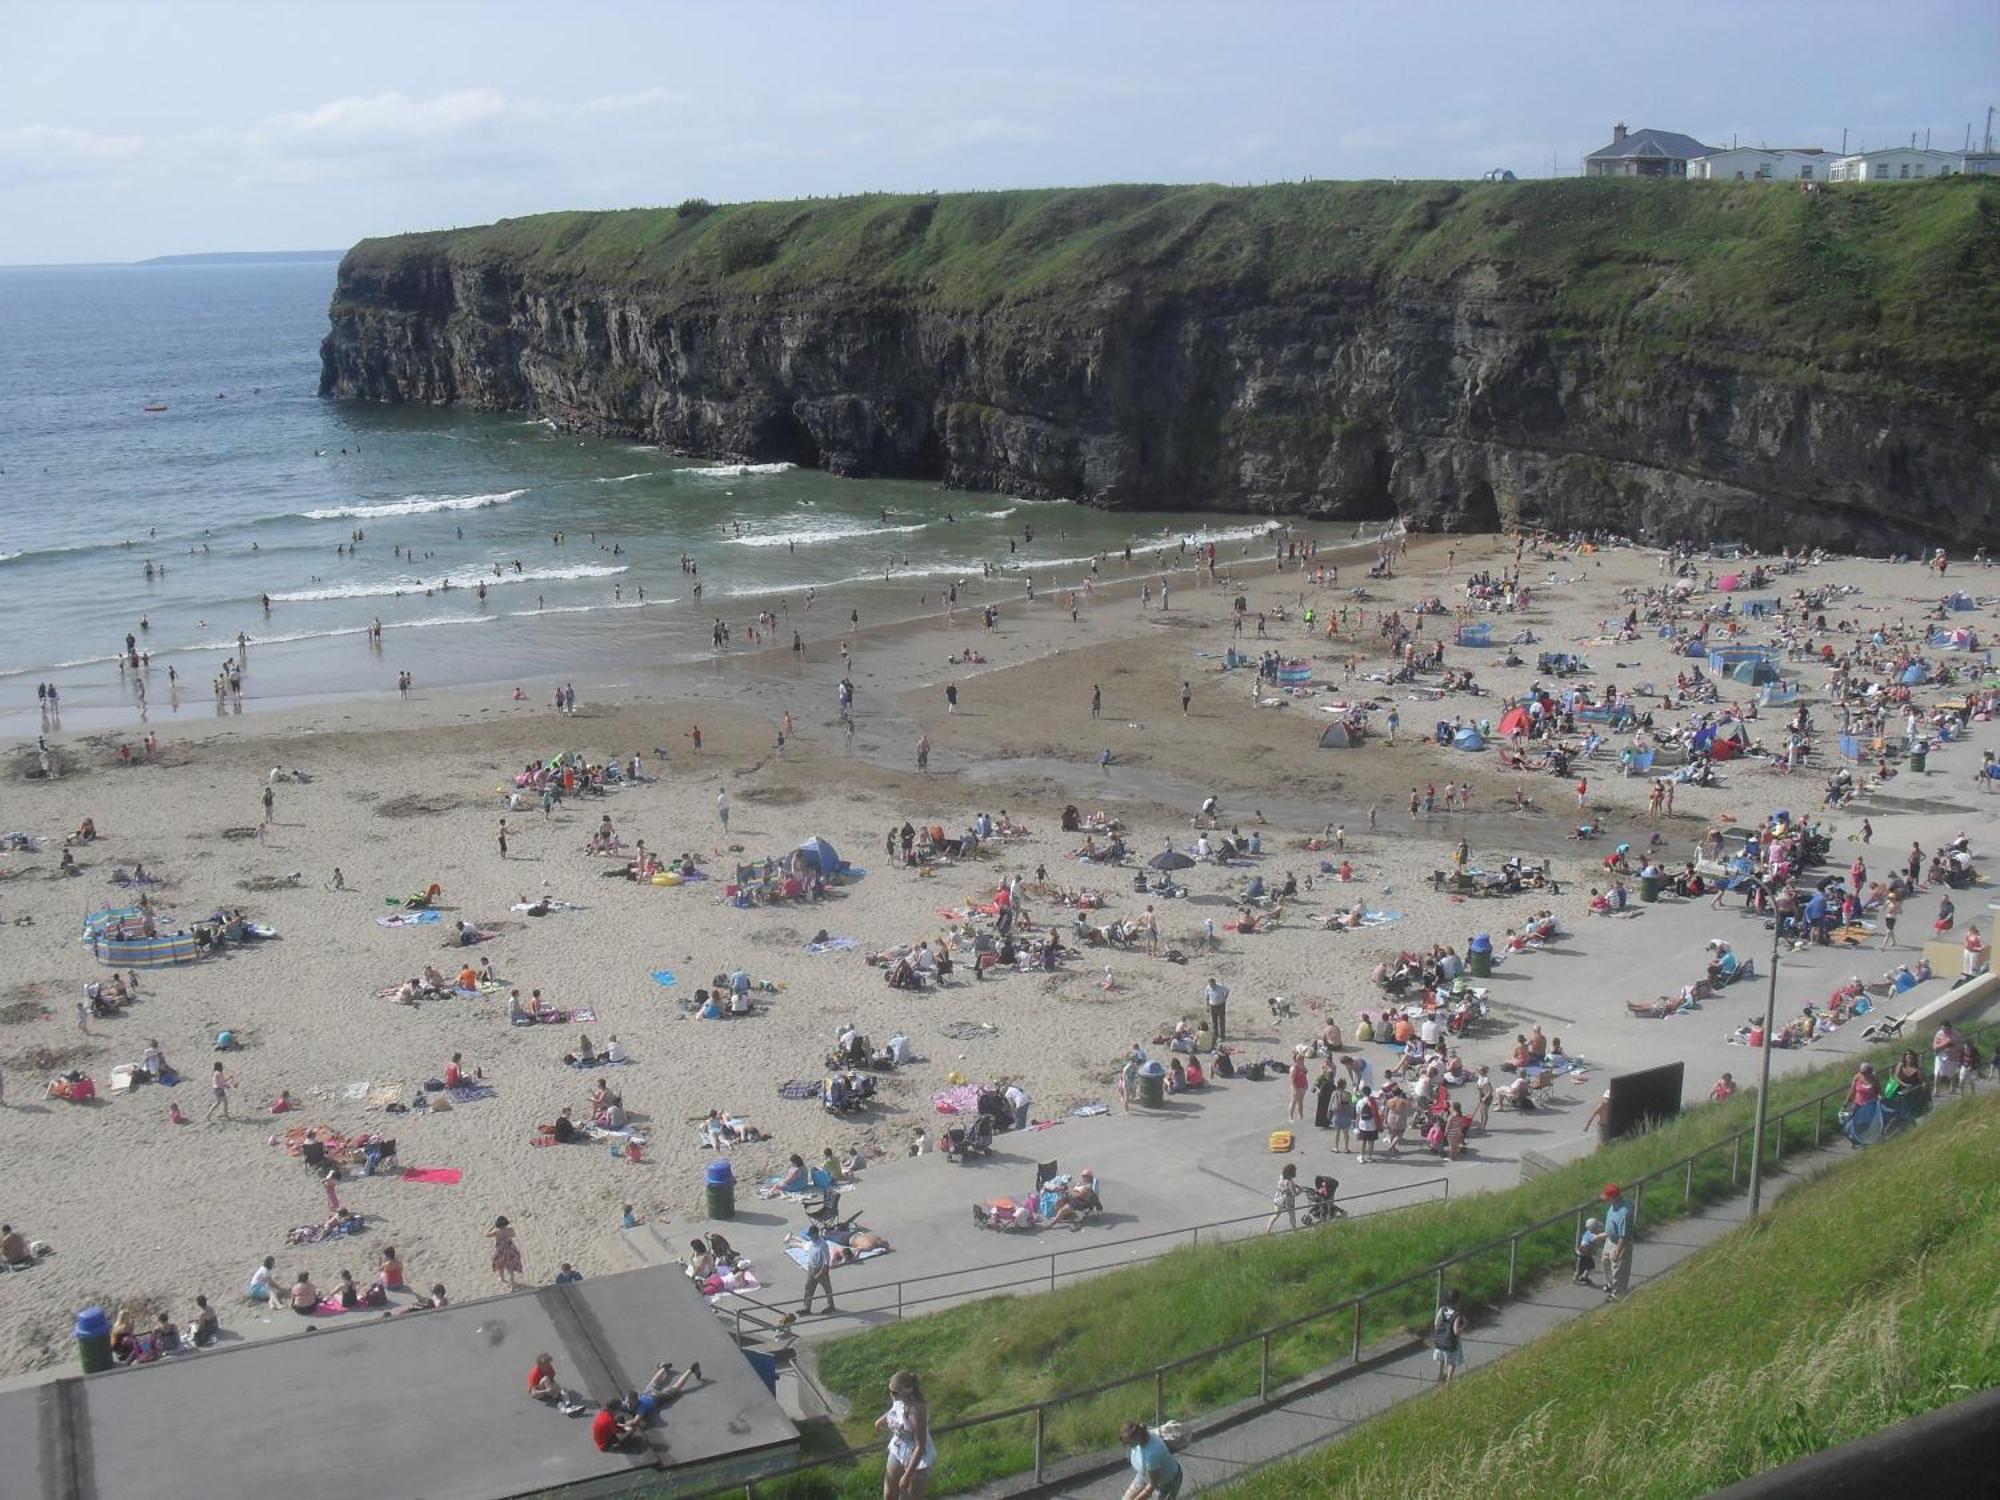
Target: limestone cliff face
[{"x": 1482, "y": 391}]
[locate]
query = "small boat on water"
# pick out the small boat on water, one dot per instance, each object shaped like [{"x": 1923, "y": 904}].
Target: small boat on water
[{"x": 154, "y": 406}]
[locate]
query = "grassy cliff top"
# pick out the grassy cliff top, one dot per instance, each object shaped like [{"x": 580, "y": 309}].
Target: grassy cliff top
[{"x": 1903, "y": 272}]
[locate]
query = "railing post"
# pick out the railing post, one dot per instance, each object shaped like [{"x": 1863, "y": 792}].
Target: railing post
[
  {"x": 1781, "y": 1135},
  {"x": 1735, "y": 1158},
  {"x": 1687, "y": 1195},
  {"x": 1041, "y": 1427},
  {"x": 1513, "y": 1256},
  {"x": 1264, "y": 1370},
  {"x": 1819, "y": 1121},
  {"x": 1440, "y": 1293},
  {"x": 1159, "y": 1396},
  {"x": 899, "y": 1302},
  {"x": 1052, "y": 1273},
  {"x": 1357, "y": 1330}
]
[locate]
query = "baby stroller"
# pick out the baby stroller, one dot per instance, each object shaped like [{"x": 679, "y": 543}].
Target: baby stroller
[
  {"x": 1319, "y": 1205},
  {"x": 825, "y": 1212},
  {"x": 963, "y": 1142},
  {"x": 847, "y": 1093}
]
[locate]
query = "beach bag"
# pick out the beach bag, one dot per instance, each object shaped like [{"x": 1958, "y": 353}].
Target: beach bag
[
  {"x": 1443, "y": 1335},
  {"x": 1173, "y": 1434},
  {"x": 1281, "y": 1140}
]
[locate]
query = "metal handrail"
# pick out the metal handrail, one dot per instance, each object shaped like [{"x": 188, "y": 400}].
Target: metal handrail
[
  {"x": 1356, "y": 1304},
  {"x": 1049, "y": 1258}
]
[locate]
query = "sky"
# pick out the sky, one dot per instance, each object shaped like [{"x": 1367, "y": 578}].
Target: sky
[{"x": 174, "y": 126}]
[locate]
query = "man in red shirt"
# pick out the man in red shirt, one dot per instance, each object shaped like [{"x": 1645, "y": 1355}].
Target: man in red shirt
[{"x": 606, "y": 1430}]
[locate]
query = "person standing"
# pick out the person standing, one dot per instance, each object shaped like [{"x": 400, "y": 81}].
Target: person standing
[
  {"x": 951, "y": 697},
  {"x": 1323, "y": 1094},
  {"x": 722, "y": 808},
  {"x": 1367, "y": 1123},
  {"x": 1300, "y": 1080},
  {"x": 218, "y": 1087},
  {"x": 270, "y": 805},
  {"x": 1018, "y": 1100},
  {"x": 1187, "y": 697},
  {"x": 506, "y": 1253},
  {"x": 503, "y": 838},
  {"x": 1285, "y": 1200},
  {"x": 819, "y": 1270},
  {"x": 1128, "y": 1080},
  {"x": 1448, "y": 1337},
  {"x": 911, "y": 1450},
  {"x": 1617, "y": 1243},
  {"x": 924, "y": 753},
  {"x": 1152, "y": 920},
  {"x": 1156, "y": 1473},
  {"x": 1892, "y": 908},
  {"x": 1216, "y": 996},
  {"x": 1096, "y": 700}
]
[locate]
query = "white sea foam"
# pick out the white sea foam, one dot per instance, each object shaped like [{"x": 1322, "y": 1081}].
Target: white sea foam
[
  {"x": 807, "y": 536},
  {"x": 624, "y": 478},
  {"x": 291, "y": 636},
  {"x": 8, "y": 556},
  {"x": 411, "y": 505},
  {"x": 735, "y": 471},
  {"x": 584, "y": 609},
  {"x": 398, "y": 587}
]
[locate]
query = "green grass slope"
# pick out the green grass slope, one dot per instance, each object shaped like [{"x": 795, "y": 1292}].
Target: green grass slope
[
  {"x": 1864, "y": 1298},
  {"x": 1832, "y": 283}
]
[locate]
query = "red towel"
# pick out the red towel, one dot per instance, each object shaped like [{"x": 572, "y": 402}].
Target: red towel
[{"x": 446, "y": 1175}]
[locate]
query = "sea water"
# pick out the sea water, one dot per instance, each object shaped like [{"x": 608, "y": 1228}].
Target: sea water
[{"x": 245, "y": 484}]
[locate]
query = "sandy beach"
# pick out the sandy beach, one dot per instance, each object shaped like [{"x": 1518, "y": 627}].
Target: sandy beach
[{"x": 402, "y": 794}]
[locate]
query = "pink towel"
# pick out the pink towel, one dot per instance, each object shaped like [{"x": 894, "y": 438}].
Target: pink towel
[{"x": 446, "y": 1175}]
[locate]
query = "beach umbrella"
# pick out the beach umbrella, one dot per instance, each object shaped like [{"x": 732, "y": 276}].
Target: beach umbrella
[
  {"x": 821, "y": 855},
  {"x": 1171, "y": 859}
]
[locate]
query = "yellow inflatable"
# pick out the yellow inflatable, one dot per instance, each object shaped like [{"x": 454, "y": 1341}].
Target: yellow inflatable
[{"x": 667, "y": 877}]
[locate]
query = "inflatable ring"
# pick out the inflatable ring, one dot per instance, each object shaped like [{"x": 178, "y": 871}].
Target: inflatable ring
[{"x": 666, "y": 877}]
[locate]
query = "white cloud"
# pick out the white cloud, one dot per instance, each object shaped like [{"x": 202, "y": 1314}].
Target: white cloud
[
  {"x": 953, "y": 135},
  {"x": 386, "y": 120},
  {"x": 57, "y": 151}
]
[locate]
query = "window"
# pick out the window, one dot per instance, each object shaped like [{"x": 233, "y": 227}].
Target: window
[
  {"x": 1881, "y": 170},
  {"x": 1920, "y": 170},
  {"x": 1905, "y": 172},
  {"x": 1805, "y": 172}
]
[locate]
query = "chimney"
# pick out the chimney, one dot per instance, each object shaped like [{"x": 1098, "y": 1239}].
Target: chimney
[{"x": 1618, "y": 132}]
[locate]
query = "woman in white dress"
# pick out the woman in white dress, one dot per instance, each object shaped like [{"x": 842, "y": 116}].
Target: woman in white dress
[{"x": 911, "y": 1451}]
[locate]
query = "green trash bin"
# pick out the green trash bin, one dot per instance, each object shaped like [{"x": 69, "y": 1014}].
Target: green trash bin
[
  {"x": 93, "y": 1340},
  {"x": 1919, "y": 760},
  {"x": 720, "y": 1189},
  {"x": 1153, "y": 1086},
  {"x": 1649, "y": 888},
  {"x": 1480, "y": 965}
]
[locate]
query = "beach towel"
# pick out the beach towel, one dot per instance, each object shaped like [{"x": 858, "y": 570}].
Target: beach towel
[
  {"x": 410, "y": 919},
  {"x": 355, "y": 1092},
  {"x": 443, "y": 1176},
  {"x": 798, "y": 1254},
  {"x": 833, "y": 945},
  {"x": 474, "y": 1092},
  {"x": 665, "y": 977},
  {"x": 1380, "y": 918},
  {"x": 744, "y": 1281},
  {"x": 583, "y": 1017},
  {"x": 798, "y": 1088},
  {"x": 383, "y": 1095},
  {"x": 962, "y": 1099},
  {"x": 1085, "y": 1111}
]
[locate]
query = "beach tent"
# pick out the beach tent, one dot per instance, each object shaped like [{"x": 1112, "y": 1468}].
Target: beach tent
[
  {"x": 1478, "y": 634},
  {"x": 1728, "y": 741},
  {"x": 1777, "y": 693},
  {"x": 1295, "y": 673},
  {"x": 1516, "y": 721},
  {"x": 1337, "y": 736},
  {"x": 821, "y": 855},
  {"x": 1729, "y": 583},
  {"x": 1962, "y": 600},
  {"x": 1913, "y": 674},
  {"x": 1695, "y": 647},
  {"x": 1468, "y": 738},
  {"x": 1756, "y": 673}
]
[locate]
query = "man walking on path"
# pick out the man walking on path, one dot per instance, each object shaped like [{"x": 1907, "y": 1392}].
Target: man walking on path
[
  {"x": 1448, "y": 1337},
  {"x": 819, "y": 1269},
  {"x": 1617, "y": 1244},
  {"x": 1216, "y": 996}
]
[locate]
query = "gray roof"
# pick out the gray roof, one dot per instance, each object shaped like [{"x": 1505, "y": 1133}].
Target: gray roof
[
  {"x": 1654, "y": 143},
  {"x": 434, "y": 1405}
]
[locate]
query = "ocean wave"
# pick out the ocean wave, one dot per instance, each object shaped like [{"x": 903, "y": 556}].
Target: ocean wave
[
  {"x": 333, "y": 633},
  {"x": 735, "y": 471},
  {"x": 1229, "y": 533},
  {"x": 808, "y": 536},
  {"x": 583, "y": 609},
  {"x": 58, "y": 666},
  {"x": 9, "y": 556},
  {"x": 411, "y": 505},
  {"x": 625, "y": 478},
  {"x": 397, "y": 587}
]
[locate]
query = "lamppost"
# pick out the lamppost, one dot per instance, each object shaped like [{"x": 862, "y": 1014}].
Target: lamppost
[{"x": 1764, "y": 1067}]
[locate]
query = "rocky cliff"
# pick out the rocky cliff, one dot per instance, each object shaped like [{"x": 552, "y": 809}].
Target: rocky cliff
[{"x": 1674, "y": 359}]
